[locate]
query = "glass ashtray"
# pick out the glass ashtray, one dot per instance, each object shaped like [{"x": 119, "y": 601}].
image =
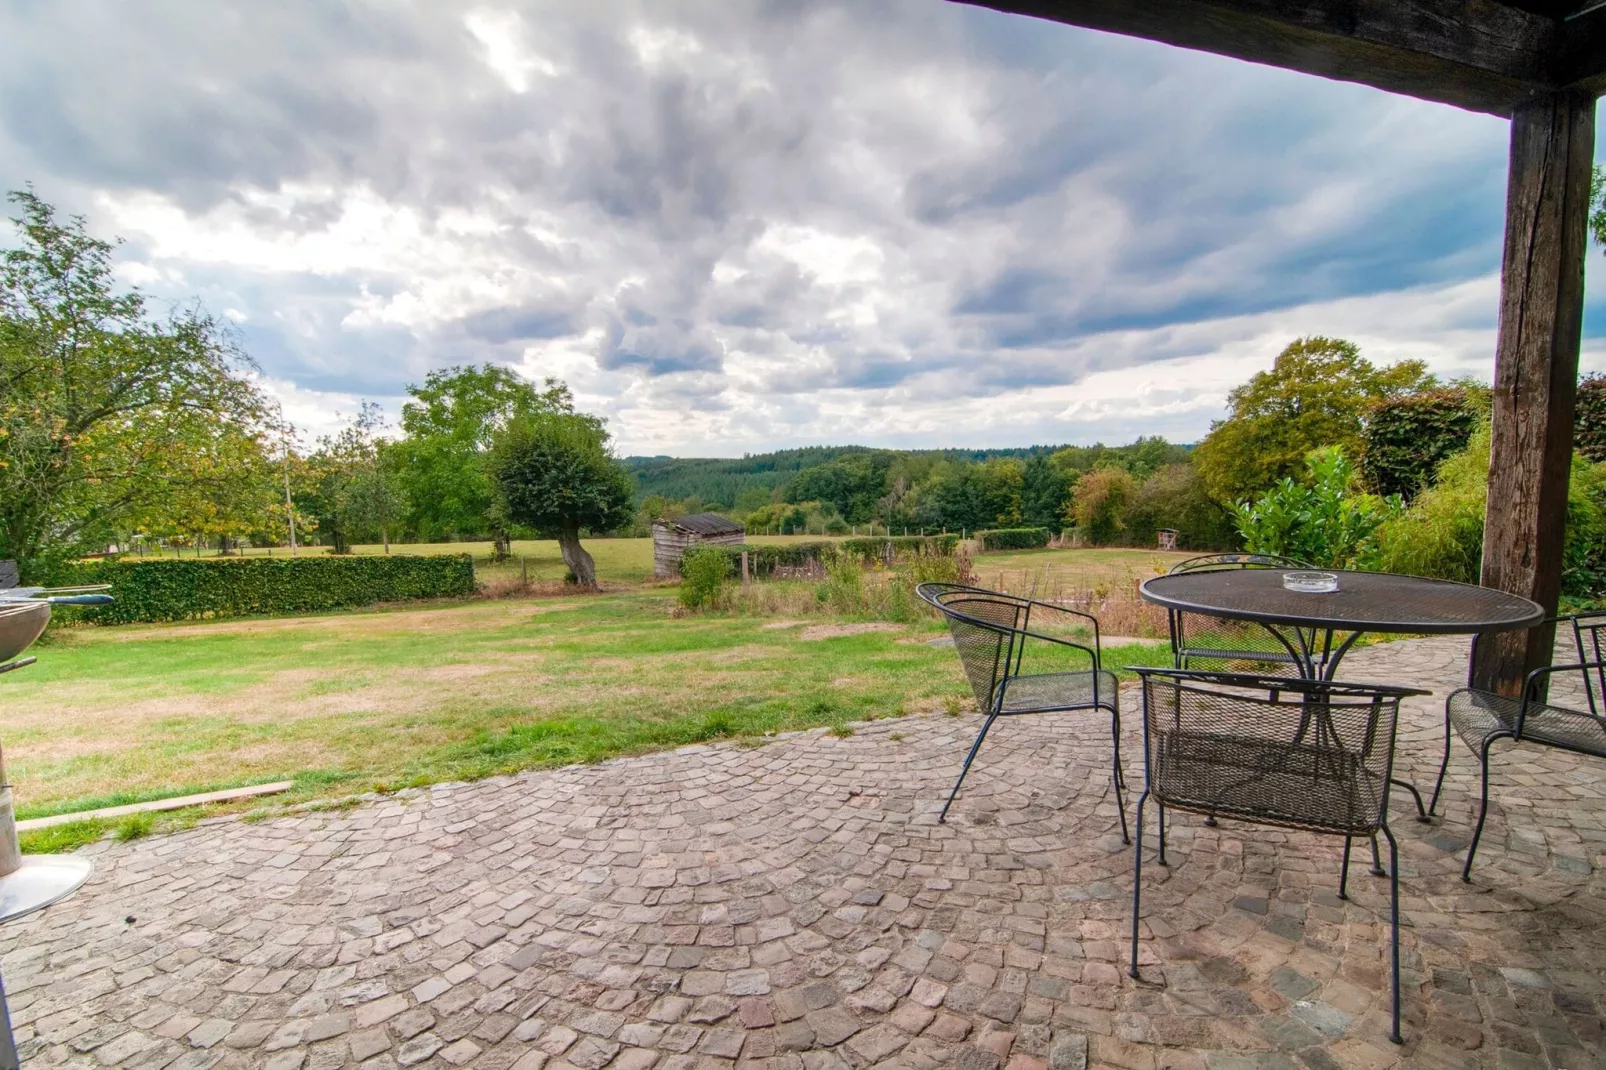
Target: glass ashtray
[{"x": 1310, "y": 582}]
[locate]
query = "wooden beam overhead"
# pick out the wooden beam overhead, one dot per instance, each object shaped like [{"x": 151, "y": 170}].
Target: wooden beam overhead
[{"x": 1476, "y": 54}]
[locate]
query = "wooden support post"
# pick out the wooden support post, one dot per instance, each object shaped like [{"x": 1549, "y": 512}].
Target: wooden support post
[
  {"x": 1536, "y": 372},
  {"x": 745, "y": 574}
]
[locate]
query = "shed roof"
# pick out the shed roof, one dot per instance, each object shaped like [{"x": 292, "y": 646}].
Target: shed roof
[{"x": 706, "y": 524}]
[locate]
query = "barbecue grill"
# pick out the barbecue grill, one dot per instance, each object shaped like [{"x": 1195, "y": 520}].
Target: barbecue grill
[{"x": 32, "y": 882}]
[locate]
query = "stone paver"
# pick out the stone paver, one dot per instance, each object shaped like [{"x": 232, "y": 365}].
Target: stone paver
[{"x": 796, "y": 906}]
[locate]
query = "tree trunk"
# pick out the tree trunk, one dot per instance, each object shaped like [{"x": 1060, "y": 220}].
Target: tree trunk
[
  {"x": 384, "y": 536},
  {"x": 502, "y": 546},
  {"x": 580, "y": 564}
]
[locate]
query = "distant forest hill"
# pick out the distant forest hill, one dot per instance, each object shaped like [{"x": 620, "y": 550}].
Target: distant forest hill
[{"x": 747, "y": 482}]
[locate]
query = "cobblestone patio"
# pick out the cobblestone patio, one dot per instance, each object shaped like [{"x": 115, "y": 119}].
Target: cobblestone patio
[{"x": 796, "y": 905}]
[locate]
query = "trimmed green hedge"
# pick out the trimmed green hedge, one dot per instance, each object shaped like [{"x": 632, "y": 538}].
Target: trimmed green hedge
[
  {"x": 1013, "y": 538},
  {"x": 1589, "y": 434},
  {"x": 169, "y": 590},
  {"x": 764, "y": 560},
  {"x": 901, "y": 544},
  {"x": 1407, "y": 438}
]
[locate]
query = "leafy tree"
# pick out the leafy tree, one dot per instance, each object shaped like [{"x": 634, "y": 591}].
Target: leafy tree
[
  {"x": 1325, "y": 522},
  {"x": 448, "y": 425},
  {"x": 1099, "y": 504},
  {"x": 358, "y": 490},
  {"x": 1597, "y": 204},
  {"x": 554, "y": 472},
  {"x": 854, "y": 484},
  {"x": 1175, "y": 497},
  {"x": 1043, "y": 493},
  {"x": 1316, "y": 395},
  {"x": 235, "y": 495},
  {"x": 106, "y": 411}
]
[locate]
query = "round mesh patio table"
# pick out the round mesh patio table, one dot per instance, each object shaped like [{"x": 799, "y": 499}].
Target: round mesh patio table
[{"x": 1317, "y": 629}]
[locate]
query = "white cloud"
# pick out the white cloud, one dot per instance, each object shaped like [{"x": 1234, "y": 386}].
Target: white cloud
[{"x": 910, "y": 223}]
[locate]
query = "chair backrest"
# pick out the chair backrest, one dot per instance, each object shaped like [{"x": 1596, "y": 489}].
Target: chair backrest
[
  {"x": 1298, "y": 753},
  {"x": 1215, "y": 562},
  {"x": 986, "y": 627},
  {"x": 1220, "y": 643},
  {"x": 1589, "y": 632}
]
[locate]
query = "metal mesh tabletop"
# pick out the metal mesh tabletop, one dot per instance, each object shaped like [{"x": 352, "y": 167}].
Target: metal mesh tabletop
[{"x": 1364, "y": 602}]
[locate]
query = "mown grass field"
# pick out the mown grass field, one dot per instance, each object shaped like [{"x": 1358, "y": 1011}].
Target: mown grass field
[{"x": 350, "y": 702}]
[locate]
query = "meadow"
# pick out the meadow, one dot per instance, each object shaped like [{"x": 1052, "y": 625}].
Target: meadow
[{"x": 353, "y": 702}]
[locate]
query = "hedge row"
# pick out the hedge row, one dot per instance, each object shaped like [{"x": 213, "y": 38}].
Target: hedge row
[
  {"x": 900, "y": 544},
  {"x": 1013, "y": 538},
  {"x": 764, "y": 560},
  {"x": 169, "y": 590}
]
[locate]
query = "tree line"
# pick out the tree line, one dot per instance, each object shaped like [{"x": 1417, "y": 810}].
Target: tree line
[{"x": 125, "y": 426}]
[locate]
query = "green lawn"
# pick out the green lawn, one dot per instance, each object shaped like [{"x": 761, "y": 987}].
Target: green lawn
[{"x": 347, "y": 702}]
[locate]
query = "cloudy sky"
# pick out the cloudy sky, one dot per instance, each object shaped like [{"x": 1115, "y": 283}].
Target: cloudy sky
[{"x": 739, "y": 226}]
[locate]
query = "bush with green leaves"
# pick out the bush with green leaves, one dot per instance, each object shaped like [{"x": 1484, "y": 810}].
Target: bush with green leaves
[
  {"x": 1013, "y": 538},
  {"x": 1589, "y": 426},
  {"x": 1325, "y": 521},
  {"x": 1441, "y": 534},
  {"x": 898, "y": 546},
  {"x": 704, "y": 572},
  {"x": 764, "y": 560},
  {"x": 1099, "y": 504},
  {"x": 1408, "y": 436},
  {"x": 1175, "y": 497},
  {"x": 171, "y": 590}
]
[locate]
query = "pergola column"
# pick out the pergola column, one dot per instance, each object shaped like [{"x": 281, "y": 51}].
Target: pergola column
[{"x": 1536, "y": 371}]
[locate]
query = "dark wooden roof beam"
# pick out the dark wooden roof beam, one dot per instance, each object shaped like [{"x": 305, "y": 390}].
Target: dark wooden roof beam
[{"x": 1475, "y": 54}]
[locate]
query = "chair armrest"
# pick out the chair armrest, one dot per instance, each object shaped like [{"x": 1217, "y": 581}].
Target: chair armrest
[
  {"x": 1544, "y": 670},
  {"x": 1090, "y": 618},
  {"x": 1091, "y": 652}
]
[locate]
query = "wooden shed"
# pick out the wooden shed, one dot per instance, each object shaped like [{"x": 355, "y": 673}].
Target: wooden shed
[{"x": 671, "y": 538}]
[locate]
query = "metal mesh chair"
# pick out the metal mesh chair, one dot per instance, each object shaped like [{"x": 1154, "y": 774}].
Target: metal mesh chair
[
  {"x": 991, "y": 631},
  {"x": 1481, "y": 718},
  {"x": 1219, "y": 644},
  {"x": 1303, "y": 754}
]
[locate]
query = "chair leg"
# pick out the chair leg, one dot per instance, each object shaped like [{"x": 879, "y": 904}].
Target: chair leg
[
  {"x": 1160, "y": 806},
  {"x": 1137, "y": 884},
  {"x": 1394, "y": 924},
  {"x": 1483, "y": 814},
  {"x": 1377, "y": 861},
  {"x": 1438, "y": 785},
  {"x": 1343, "y": 874},
  {"x": 974, "y": 747},
  {"x": 1120, "y": 781}
]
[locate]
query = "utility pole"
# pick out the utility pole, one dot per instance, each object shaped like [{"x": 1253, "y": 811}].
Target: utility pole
[{"x": 289, "y": 507}]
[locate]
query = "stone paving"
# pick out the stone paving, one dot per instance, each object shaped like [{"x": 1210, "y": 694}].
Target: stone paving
[{"x": 796, "y": 906}]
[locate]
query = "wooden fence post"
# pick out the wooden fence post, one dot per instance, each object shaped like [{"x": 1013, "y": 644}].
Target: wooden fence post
[{"x": 745, "y": 574}]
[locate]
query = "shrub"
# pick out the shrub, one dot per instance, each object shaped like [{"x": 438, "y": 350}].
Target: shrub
[
  {"x": 703, "y": 573},
  {"x": 1441, "y": 535},
  {"x": 1013, "y": 538},
  {"x": 1408, "y": 437},
  {"x": 1099, "y": 504},
  {"x": 1175, "y": 497},
  {"x": 898, "y": 546},
  {"x": 764, "y": 560},
  {"x": 1324, "y": 523},
  {"x": 163, "y": 590},
  {"x": 1589, "y": 429}
]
